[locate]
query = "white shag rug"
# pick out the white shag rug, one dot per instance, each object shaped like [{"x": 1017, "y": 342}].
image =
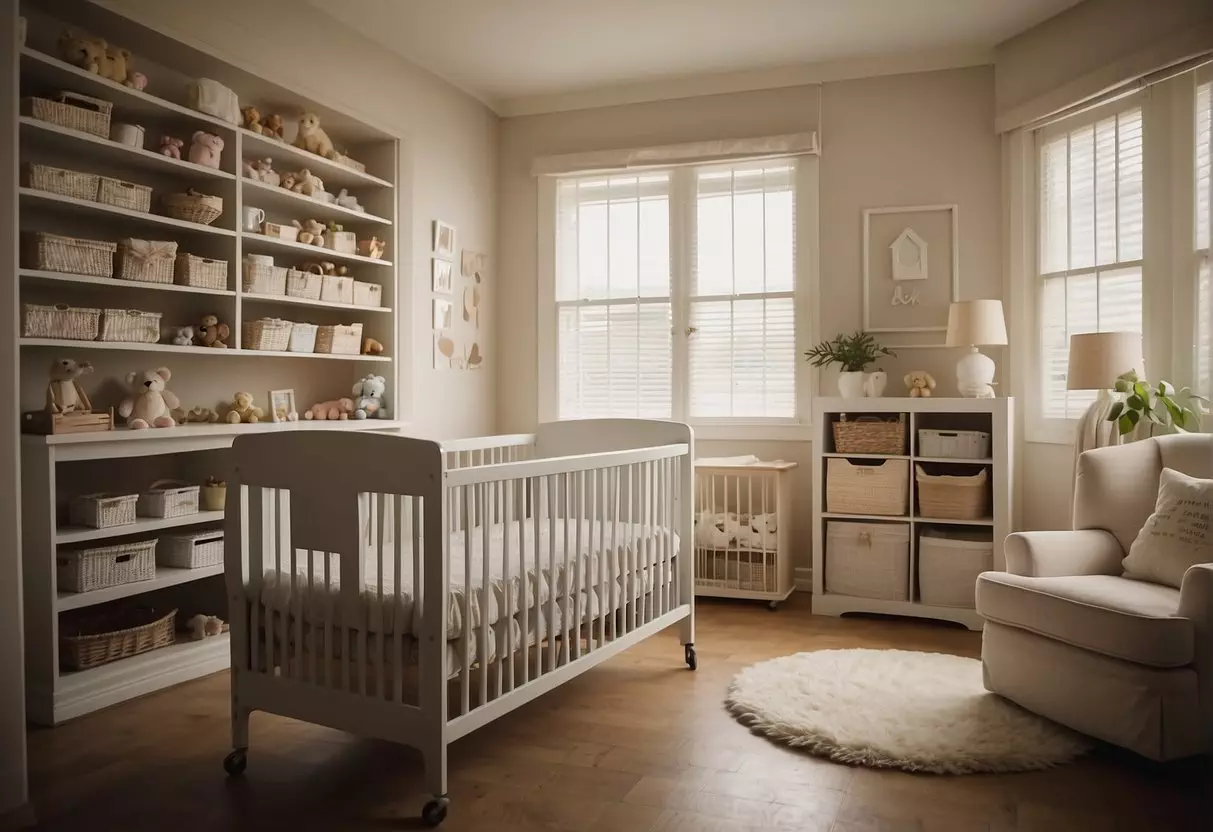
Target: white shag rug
[{"x": 896, "y": 709}]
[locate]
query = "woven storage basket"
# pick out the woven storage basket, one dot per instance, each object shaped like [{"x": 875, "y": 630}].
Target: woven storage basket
[
  {"x": 870, "y": 435},
  {"x": 367, "y": 294},
  {"x": 303, "y": 284},
  {"x": 954, "y": 444},
  {"x": 263, "y": 279},
  {"x": 60, "y": 321},
  {"x": 303, "y": 338},
  {"x": 868, "y": 560},
  {"x": 342, "y": 242},
  {"x": 71, "y": 183},
  {"x": 71, "y": 255},
  {"x": 118, "y": 639},
  {"x": 339, "y": 339},
  {"x": 126, "y": 195},
  {"x": 191, "y": 551},
  {"x": 122, "y": 563},
  {"x": 336, "y": 289},
  {"x": 130, "y": 326},
  {"x": 102, "y": 511},
  {"x": 146, "y": 261},
  {"x": 193, "y": 207},
  {"x": 270, "y": 334},
  {"x": 949, "y": 563},
  {"x": 200, "y": 272},
  {"x": 952, "y": 497},
  {"x": 745, "y": 571},
  {"x": 73, "y": 111},
  {"x": 168, "y": 498},
  {"x": 883, "y": 488}
]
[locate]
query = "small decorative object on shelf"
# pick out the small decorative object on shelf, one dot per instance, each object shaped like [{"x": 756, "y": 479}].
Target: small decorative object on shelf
[
  {"x": 252, "y": 120},
  {"x": 279, "y": 231},
  {"x": 273, "y": 126},
  {"x": 282, "y": 406},
  {"x": 330, "y": 410},
  {"x": 854, "y": 352},
  {"x": 303, "y": 182},
  {"x": 214, "y": 99},
  {"x": 64, "y": 393},
  {"x": 311, "y": 232},
  {"x": 214, "y": 494},
  {"x": 347, "y": 200},
  {"x": 196, "y": 416},
  {"x": 183, "y": 336},
  {"x": 171, "y": 146},
  {"x": 212, "y": 333},
  {"x": 136, "y": 80},
  {"x": 128, "y": 134},
  {"x": 96, "y": 56},
  {"x": 243, "y": 410},
  {"x": 149, "y": 403},
  {"x": 311, "y": 136},
  {"x": 372, "y": 247},
  {"x": 340, "y": 240},
  {"x": 262, "y": 170},
  {"x": 206, "y": 149},
  {"x": 875, "y": 383},
  {"x": 201, "y": 626},
  {"x": 371, "y": 347},
  {"x": 368, "y": 398},
  {"x": 193, "y": 206},
  {"x": 920, "y": 383},
  {"x": 342, "y": 158}
]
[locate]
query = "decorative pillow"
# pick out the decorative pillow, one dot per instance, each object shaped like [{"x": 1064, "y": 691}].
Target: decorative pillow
[{"x": 1178, "y": 534}]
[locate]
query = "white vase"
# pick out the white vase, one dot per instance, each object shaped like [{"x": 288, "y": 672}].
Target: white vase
[
  {"x": 851, "y": 385},
  {"x": 875, "y": 383}
]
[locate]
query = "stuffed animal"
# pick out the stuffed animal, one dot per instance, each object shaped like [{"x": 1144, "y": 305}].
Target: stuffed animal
[
  {"x": 303, "y": 182},
  {"x": 273, "y": 126},
  {"x": 117, "y": 65},
  {"x": 149, "y": 404},
  {"x": 920, "y": 383},
  {"x": 347, "y": 200},
  {"x": 171, "y": 147},
  {"x": 252, "y": 120},
  {"x": 372, "y": 247},
  {"x": 205, "y": 149},
  {"x": 289, "y": 181},
  {"x": 312, "y": 138},
  {"x": 371, "y": 347},
  {"x": 198, "y": 415},
  {"x": 261, "y": 170},
  {"x": 212, "y": 333},
  {"x": 137, "y": 80},
  {"x": 335, "y": 409},
  {"x": 183, "y": 336},
  {"x": 64, "y": 394},
  {"x": 310, "y": 232},
  {"x": 368, "y": 402},
  {"x": 201, "y": 626},
  {"x": 242, "y": 409},
  {"x": 84, "y": 52}
]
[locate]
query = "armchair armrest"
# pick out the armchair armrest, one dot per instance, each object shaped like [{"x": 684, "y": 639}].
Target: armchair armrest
[
  {"x": 1196, "y": 604},
  {"x": 1055, "y": 554}
]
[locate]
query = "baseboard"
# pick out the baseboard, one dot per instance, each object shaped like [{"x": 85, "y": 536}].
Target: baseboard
[
  {"x": 802, "y": 579},
  {"x": 22, "y": 817}
]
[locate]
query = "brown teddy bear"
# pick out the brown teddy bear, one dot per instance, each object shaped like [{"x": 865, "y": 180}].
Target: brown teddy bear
[
  {"x": 212, "y": 333},
  {"x": 312, "y": 138},
  {"x": 272, "y": 126},
  {"x": 64, "y": 394},
  {"x": 371, "y": 347},
  {"x": 84, "y": 52},
  {"x": 252, "y": 120},
  {"x": 242, "y": 409},
  {"x": 310, "y": 232}
]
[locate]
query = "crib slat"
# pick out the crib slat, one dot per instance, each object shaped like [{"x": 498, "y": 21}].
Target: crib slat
[
  {"x": 525, "y": 507},
  {"x": 465, "y": 634},
  {"x": 253, "y": 539},
  {"x": 329, "y": 681},
  {"x": 566, "y": 629},
  {"x": 614, "y": 574},
  {"x": 575, "y": 587},
  {"x": 268, "y": 530},
  {"x": 667, "y": 578},
  {"x": 530, "y": 637},
  {"x": 507, "y": 519},
  {"x": 380, "y": 577},
  {"x": 550, "y": 628},
  {"x": 494, "y": 496},
  {"x": 482, "y": 505},
  {"x": 662, "y": 523}
]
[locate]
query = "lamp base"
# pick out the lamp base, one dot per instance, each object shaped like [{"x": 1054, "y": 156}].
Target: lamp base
[
  {"x": 975, "y": 375},
  {"x": 1094, "y": 429}
]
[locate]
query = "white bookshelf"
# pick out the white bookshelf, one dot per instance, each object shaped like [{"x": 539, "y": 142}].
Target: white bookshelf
[{"x": 995, "y": 416}]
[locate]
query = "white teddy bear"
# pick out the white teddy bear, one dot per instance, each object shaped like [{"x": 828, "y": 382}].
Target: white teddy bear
[
  {"x": 149, "y": 404},
  {"x": 368, "y": 398}
]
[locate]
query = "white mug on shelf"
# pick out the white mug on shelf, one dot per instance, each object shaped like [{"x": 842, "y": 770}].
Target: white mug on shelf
[
  {"x": 128, "y": 134},
  {"x": 253, "y": 217}
]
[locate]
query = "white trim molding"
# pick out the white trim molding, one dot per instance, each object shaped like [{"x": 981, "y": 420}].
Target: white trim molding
[{"x": 688, "y": 153}]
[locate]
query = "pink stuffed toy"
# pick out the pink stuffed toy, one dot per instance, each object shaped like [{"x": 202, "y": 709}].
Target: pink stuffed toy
[
  {"x": 205, "y": 149},
  {"x": 336, "y": 409},
  {"x": 171, "y": 147},
  {"x": 137, "y": 80}
]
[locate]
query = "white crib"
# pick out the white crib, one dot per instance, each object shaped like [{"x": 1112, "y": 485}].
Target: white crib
[{"x": 415, "y": 591}]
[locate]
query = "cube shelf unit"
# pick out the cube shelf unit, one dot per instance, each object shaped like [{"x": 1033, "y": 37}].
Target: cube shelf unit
[{"x": 994, "y": 416}]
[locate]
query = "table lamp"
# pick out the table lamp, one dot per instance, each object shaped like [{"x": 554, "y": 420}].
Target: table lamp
[
  {"x": 1096, "y": 359},
  {"x": 974, "y": 323}
]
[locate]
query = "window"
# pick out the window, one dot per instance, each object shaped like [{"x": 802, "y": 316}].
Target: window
[
  {"x": 675, "y": 295},
  {"x": 1203, "y": 233}
]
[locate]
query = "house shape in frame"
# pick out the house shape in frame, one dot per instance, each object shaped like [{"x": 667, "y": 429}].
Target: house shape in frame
[{"x": 909, "y": 256}]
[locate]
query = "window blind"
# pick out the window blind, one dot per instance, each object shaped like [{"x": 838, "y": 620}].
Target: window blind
[{"x": 1204, "y": 231}]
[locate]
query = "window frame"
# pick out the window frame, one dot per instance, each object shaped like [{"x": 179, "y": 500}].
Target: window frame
[{"x": 1189, "y": 352}]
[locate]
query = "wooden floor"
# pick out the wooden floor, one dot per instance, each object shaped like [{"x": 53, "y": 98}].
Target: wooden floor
[{"x": 640, "y": 743}]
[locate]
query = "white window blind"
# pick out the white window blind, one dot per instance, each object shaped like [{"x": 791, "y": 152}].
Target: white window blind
[
  {"x": 1204, "y": 231},
  {"x": 1090, "y": 242}
]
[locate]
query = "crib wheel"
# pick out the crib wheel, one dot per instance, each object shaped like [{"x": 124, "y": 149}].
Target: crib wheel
[
  {"x": 690, "y": 656},
  {"x": 434, "y": 812},
  {"x": 236, "y": 762},
  {"x": 773, "y": 605}
]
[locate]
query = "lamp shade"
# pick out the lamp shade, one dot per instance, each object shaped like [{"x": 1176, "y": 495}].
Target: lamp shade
[
  {"x": 975, "y": 323},
  {"x": 1097, "y": 358}
]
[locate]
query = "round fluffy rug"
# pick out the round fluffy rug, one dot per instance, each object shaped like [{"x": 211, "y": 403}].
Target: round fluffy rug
[{"x": 896, "y": 709}]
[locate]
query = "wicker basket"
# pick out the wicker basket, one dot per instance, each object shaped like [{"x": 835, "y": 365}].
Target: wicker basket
[
  {"x": 122, "y": 563},
  {"x": 60, "y": 321},
  {"x": 367, "y": 294},
  {"x": 269, "y": 334},
  {"x": 952, "y": 497},
  {"x": 304, "y": 285},
  {"x": 126, "y": 195},
  {"x": 954, "y": 444},
  {"x": 868, "y": 560},
  {"x": 168, "y": 498},
  {"x": 264, "y": 279},
  {"x": 336, "y": 289},
  {"x": 882, "y": 489},
  {"x": 193, "y": 207},
  {"x": 130, "y": 326},
  {"x": 70, "y": 255},
  {"x": 303, "y": 338},
  {"x": 746, "y": 571},
  {"x": 119, "y": 637},
  {"x": 191, "y": 551},
  {"x": 146, "y": 261},
  {"x": 339, "y": 339},
  {"x": 73, "y": 111},
  {"x": 71, "y": 183},
  {"x": 949, "y": 563},
  {"x": 200, "y": 272},
  {"x": 102, "y": 511},
  {"x": 870, "y": 435}
]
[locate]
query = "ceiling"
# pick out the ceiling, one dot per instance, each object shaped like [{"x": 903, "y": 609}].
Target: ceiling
[{"x": 531, "y": 55}]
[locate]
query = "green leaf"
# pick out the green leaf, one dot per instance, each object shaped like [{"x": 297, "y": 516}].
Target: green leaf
[
  {"x": 1141, "y": 390},
  {"x": 1122, "y": 385},
  {"x": 1126, "y": 424},
  {"x": 1165, "y": 389},
  {"x": 1115, "y": 412},
  {"x": 1136, "y": 402}
]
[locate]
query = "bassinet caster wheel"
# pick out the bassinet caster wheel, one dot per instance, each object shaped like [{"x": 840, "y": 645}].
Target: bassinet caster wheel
[
  {"x": 236, "y": 762},
  {"x": 773, "y": 606},
  {"x": 690, "y": 656},
  {"x": 434, "y": 812}
]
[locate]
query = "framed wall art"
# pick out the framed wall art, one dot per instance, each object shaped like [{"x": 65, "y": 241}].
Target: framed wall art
[{"x": 911, "y": 267}]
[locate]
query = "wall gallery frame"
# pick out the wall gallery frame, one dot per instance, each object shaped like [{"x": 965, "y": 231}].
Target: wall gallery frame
[
  {"x": 919, "y": 301},
  {"x": 444, "y": 239}
]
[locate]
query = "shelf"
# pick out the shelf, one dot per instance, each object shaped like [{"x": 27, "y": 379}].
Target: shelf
[
  {"x": 127, "y": 100},
  {"x": 953, "y": 460},
  {"x": 253, "y": 240},
  {"x": 260, "y": 194},
  {"x": 165, "y": 577},
  {"x": 231, "y": 352},
  {"x": 866, "y": 456},
  {"x": 213, "y": 430},
  {"x": 320, "y": 304},
  {"x": 86, "y": 279},
  {"x": 116, "y": 152},
  {"x": 890, "y": 518},
  {"x": 830, "y": 603},
  {"x": 85, "y": 206},
  {"x": 257, "y": 146},
  {"x": 80, "y": 534},
  {"x": 985, "y": 521}
]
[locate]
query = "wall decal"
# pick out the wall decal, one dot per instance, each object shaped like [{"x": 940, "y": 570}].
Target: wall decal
[
  {"x": 473, "y": 264},
  {"x": 441, "y": 274},
  {"x": 444, "y": 239},
  {"x": 444, "y": 314}
]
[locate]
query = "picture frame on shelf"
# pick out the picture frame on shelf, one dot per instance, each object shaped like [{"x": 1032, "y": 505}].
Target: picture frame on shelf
[
  {"x": 282, "y": 406},
  {"x": 441, "y": 273},
  {"x": 444, "y": 239}
]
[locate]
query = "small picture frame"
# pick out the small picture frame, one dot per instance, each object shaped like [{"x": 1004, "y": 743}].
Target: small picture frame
[
  {"x": 441, "y": 270},
  {"x": 282, "y": 406},
  {"x": 444, "y": 239}
]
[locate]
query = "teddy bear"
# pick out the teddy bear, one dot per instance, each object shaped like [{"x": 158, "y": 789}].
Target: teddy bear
[
  {"x": 137, "y": 80},
  {"x": 371, "y": 347},
  {"x": 196, "y": 415},
  {"x": 63, "y": 393},
  {"x": 335, "y": 409},
  {"x": 304, "y": 182},
  {"x": 347, "y": 200},
  {"x": 212, "y": 333},
  {"x": 310, "y": 232},
  {"x": 920, "y": 383},
  {"x": 242, "y": 409},
  {"x": 183, "y": 336},
  {"x": 201, "y": 626},
  {"x": 372, "y": 247},
  {"x": 117, "y": 65},
  {"x": 272, "y": 126},
  {"x": 84, "y": 52},
  {"x": 261, "y": 170},
  {"x": 149, "y": 404},
  {"x": 171, "y": 146},
  {"x": 252, "y": 120},
  {"x": 205, "y": 149},
  {"x": 311, "y": 136},
  {"x": 368, "y": 403}
]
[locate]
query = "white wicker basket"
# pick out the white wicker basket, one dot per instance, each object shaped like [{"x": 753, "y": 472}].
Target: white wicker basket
[
  {"x": 342, "y": 242},
  {"x": 268, "y": 334},
  {"x": 130, "y": 326},
  {"x": 87, "y": 569},
  {"x": 263, "y": 279},
  {"x": 102, "y": 511},
  {"x": 949, "y": 563},
  {"x": 339, "y": 339},
  {"x": 191, "y": 551},
  {"x": 367, "y": 294},
  {"x": 73, "y": 183},
  {"x": 304, "y": 285},
  {"x": 60, "y": 321},
  {"x": 882, "y": 488},
  {"x": 954, "y": 444},
  {"x": 71, "y": 255},
  {"x": 303, "y": 337},
  {"x": 951, "y": 496},
  {"x": 335, "y": 289},
  {"x": 868, "y": 560},
  {"x": 73, "y": 111},
  {"x": 126, "y": 195},
  {"x": 146, "y": 261},
  {"x": 199, "y": 272},
  {"x": 168, "y": 498}
]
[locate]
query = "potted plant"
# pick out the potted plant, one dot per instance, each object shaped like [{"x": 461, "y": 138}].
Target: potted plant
[
  {"x": 854, "y": 352},
  {"x": 1159, "y": 405}
]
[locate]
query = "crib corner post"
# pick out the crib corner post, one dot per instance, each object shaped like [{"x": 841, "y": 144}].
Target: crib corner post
[{"x": 686, "y": 559}]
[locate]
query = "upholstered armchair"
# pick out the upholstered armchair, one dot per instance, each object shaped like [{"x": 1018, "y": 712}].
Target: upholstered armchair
[{"x": 1068, "y": 637}]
